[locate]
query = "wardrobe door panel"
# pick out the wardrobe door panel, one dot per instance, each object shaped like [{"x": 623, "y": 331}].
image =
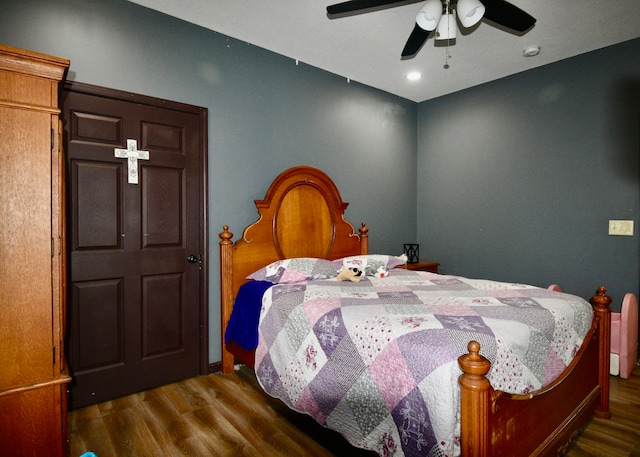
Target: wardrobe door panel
[{"x": 25, "y": 243}]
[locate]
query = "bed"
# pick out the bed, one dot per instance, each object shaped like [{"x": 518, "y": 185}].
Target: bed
[{"x": 302, "y": 217}]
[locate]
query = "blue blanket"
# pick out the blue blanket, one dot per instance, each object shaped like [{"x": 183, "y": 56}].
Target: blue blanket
[{"x": 243, "y": 323}]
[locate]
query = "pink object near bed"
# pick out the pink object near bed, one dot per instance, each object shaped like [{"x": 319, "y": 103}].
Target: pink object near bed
[{"x": 624, "y": 337}]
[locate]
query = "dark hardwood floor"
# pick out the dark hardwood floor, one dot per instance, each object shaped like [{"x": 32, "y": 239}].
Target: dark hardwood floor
[
  {"x": 218, "y": 415},
  {"x": 620, "y": 435}
]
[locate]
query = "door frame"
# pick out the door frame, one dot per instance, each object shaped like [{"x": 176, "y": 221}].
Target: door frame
[{"x": 202, "y": 114}]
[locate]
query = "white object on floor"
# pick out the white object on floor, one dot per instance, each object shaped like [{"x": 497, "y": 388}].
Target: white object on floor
[{"x": 614, "y": 365}]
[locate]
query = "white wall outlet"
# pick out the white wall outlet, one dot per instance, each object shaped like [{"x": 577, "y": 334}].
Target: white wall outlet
[{"x": 624, "y": 228}]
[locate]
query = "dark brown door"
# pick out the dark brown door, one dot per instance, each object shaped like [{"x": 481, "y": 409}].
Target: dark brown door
[{"x": 137, "y": 299}]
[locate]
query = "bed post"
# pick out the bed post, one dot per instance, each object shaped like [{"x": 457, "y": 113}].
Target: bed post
[
  {"x": 475, "y": 403},
  {"x": 601, "y": 302},
  {"x": 226, "y": 292},
  {"x": 364, "y": 239}
]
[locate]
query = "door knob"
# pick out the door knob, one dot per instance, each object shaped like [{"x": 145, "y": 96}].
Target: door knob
[{"x": 192, "y": 258}]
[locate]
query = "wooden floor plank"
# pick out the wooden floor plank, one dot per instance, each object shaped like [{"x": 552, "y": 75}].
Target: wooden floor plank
[
  {"x": 256, "y": 426},
  {"x": 131, "y": 436},
  {"x": 230, "y": 416},
  {"x": 620, "y": 435},
  {"x": 171, "y": 430},
  {"x": 88, "y": 432}
]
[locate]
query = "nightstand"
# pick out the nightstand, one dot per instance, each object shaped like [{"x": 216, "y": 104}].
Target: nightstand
[{"x": 422, "y": 266}]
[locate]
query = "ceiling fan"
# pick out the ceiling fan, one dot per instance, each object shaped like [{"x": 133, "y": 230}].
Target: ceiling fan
[{"x": 439, "y": 16}]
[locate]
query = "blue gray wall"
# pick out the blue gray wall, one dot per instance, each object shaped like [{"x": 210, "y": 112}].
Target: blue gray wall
[
  {"x": 266, "y": 113},
  {"x": 522, "y": 192},
  {"x": 518, "y": 178}
]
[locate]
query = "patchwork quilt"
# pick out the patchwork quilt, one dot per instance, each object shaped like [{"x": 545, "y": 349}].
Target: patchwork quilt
[{"x": 376, "y": 360}]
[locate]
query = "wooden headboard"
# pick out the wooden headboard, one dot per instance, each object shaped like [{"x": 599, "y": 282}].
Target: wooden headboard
[{"x": 302, "y": 215}]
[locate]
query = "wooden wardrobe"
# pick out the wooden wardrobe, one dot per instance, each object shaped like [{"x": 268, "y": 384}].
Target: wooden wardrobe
[{"x": 33, "y": 379}]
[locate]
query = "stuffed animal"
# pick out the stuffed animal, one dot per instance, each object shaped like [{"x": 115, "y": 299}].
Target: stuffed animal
[
  {"x": 350, "y": 274},
  {"x": 377, "y": 269}
]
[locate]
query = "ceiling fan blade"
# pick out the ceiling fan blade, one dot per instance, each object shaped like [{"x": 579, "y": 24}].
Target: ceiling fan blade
[
  {"x": 508, "y": 15},
  {"x": 416, "y": 40},
  {"x": 356, "y": 5}
]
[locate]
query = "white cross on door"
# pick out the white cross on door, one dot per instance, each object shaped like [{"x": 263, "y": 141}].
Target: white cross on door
[{"x": 132, "y": 155}]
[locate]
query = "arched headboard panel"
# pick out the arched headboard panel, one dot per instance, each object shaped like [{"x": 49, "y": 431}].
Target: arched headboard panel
[{"x": 302, "y": 215}]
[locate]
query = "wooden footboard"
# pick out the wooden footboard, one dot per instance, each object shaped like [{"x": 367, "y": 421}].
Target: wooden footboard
[{"x": 543, "y": 423}]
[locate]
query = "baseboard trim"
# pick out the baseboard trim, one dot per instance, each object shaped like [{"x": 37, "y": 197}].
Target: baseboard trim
[{"x": 215, "y": 367}]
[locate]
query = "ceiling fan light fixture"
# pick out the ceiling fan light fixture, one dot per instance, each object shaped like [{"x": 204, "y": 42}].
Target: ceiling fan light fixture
[
  {"x": 470, "y": 12},
  {"x": 447, "y": 27},
  {"x": 429, "y": 15}
]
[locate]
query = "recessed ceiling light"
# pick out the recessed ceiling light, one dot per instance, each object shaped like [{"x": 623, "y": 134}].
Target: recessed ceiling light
[
  {"x": 414, "y": 76},
  {"x": 531, "y": 51}
]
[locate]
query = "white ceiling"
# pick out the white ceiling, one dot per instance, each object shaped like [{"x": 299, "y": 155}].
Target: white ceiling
[{"x": 366, "y": 47}]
